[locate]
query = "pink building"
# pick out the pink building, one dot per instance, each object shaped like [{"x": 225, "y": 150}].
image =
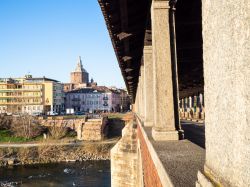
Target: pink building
[{"x": 93, "y": 100}]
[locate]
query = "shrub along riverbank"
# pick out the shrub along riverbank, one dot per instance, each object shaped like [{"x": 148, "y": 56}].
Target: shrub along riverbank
[{"x": 27, "y": 128}]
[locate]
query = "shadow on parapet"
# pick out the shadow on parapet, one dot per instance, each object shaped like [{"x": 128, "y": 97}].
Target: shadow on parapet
[{"x": 194, "y": 133}]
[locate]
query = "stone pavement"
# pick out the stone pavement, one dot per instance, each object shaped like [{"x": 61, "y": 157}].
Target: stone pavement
[{"x": 181, "y": 159}]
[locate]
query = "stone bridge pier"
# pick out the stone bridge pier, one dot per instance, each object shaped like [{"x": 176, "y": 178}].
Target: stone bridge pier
[{"x": 174, "y": 57}]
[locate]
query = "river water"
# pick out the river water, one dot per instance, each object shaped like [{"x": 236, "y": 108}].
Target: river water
[{"x": 84, "y": 174}]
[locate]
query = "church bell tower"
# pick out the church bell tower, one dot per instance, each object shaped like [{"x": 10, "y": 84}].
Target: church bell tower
[{"x": 80, "y": 75}]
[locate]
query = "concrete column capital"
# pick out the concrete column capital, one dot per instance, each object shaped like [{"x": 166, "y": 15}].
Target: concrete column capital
[
  {"x": 160, "y": 4},
  {"x": 147, "y": 49}
]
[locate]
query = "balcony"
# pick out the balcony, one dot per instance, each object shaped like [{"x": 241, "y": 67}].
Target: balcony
[
  {"x": 20, "y": 103},
  {"x": 76, "y": 99},
  {"x": 20, "y": 96},
  {"x": 20, "y": 90}
]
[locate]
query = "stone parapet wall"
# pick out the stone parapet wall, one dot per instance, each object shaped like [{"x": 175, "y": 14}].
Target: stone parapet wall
[
  {"x": 124, "y": 159},
  {"x": 134, "y": 162},
  {"x": 150, "y": 175},
  {"x": 154, "y": 173}
]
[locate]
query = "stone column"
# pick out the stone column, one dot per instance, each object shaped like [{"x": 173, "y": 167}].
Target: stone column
[
  {"x": 201, "y": 100},
  {"x": 138, "y": 92},
  {"x": 195, "y": 102},
  {"x": 226, "y": 58},
  {"x": 164, "y": 121},
  {"x": 195, "y": 106},
  {"x": 182, "y": 108},
  {"x": 202, "y": 108},
  {"x": 139, "y": 96},
  {"x": 137, "y": 101},
  {"x": 189, "y": 106},
  {"x": 148, "y": 86},
  {"x": 186, "y": 108},
  {"x": 142, "y": 92},
  {"x": 190, "y": 102},
  {"x": 199, "y": 105},
  {"x": 182, "y": 104}
]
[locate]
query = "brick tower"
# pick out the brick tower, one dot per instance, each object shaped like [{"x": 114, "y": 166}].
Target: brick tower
[{"x": 80, "y": 75}]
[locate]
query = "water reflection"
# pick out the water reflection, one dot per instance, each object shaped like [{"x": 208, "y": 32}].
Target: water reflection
[{"x": 85, "y": 174}]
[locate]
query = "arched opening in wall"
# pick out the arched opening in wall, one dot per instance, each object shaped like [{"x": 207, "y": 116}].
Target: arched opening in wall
[{"x": 188, "y": 23}]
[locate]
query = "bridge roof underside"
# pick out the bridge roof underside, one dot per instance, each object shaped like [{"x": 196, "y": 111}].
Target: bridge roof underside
[{"x": 128, "y": 23}]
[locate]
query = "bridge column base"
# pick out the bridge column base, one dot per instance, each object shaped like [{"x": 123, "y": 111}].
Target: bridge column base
[
  {"x": 203, "y": 181},
  {"x": 209, "y": 179},
  {"x": 148, "y": 123},
  {"x": 165, "y": 135}
]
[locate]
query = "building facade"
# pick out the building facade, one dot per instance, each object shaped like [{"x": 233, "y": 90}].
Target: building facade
[
  {"x": 125, "y": 100},
  {"x": 30, "y": 95},
  {"x": 93, "y": 100}
]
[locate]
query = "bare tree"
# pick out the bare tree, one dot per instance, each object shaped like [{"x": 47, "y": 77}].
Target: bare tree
[
  {"x": 5, "y": 122},
  {"x": 26, "y": 126}
]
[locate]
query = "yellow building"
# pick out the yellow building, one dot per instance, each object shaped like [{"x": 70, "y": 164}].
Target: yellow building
[{"x": 31, "y": 95}]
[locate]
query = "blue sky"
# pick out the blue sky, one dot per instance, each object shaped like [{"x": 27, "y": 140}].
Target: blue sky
[{"x": 45, "y": 38}]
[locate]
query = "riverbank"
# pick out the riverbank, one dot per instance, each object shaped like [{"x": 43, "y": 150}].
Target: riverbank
[
  {"x": 67, "y": 149},
  {"x": 23, "y": 154}
]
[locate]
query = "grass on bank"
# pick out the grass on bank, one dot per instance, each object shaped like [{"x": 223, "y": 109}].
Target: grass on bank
[
  {"x": 6, "y": 136},
  {"x": 71, "y": 116}
]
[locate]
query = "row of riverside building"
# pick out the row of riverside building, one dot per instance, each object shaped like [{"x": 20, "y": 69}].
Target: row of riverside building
[{"x": 42, "y": 95}]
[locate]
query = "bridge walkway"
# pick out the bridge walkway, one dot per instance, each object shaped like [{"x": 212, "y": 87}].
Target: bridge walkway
[{"x": 182, "y": 159}]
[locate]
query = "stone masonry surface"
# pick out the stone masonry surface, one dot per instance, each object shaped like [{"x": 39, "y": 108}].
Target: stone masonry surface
[
  {"x": 94, "y": 129},
  {"x": 124, "y": 160},
  {"x": 226, "y": 46},
  {"x": 71, "y": 123}
]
